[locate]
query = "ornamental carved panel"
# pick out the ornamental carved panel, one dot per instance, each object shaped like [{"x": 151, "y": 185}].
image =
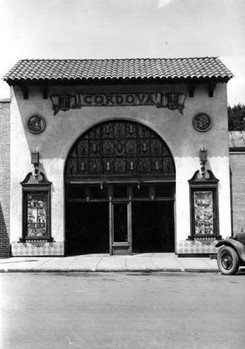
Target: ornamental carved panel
[{"x": 119, "y": 148}]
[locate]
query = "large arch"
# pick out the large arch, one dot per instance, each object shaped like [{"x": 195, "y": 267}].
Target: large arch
[{"x": 114, "y": 172}]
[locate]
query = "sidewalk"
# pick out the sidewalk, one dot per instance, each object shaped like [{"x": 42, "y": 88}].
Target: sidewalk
[{"x": 145, "y": 262}]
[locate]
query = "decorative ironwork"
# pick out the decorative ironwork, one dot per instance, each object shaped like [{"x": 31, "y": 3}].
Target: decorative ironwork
[{"x": 122, "y": 148}]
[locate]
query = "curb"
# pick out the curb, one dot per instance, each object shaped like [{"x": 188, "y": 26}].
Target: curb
[{"x": 145, "y": 271}]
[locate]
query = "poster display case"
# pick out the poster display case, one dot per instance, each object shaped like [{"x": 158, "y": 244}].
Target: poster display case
[
  {"x": 204, "y": 206},
  {"x": 36, "y": 209}
]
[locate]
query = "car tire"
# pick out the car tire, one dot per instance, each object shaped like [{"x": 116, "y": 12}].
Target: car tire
[{"x": 228, "y": 260}]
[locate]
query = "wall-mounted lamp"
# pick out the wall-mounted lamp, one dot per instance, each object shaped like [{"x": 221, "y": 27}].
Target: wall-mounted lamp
[
  {"x": 35, "y": 162},
  {"x": 203, "y": 160}
]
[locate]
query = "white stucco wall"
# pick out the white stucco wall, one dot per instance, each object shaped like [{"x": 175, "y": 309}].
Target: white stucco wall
[{"x": 63, "y": 129}]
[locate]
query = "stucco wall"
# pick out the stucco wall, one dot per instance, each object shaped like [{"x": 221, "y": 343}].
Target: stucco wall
[{"x": 175, "y": 129}]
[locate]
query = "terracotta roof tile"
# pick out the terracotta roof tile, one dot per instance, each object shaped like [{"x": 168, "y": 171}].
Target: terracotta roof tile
[{"x": 140, "y": 68}]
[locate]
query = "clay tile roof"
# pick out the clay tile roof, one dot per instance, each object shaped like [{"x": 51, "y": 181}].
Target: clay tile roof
[{"x": 131, "y": 68}]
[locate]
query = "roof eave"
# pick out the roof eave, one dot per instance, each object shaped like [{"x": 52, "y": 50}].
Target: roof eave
[{"x": 76, "y": 81}]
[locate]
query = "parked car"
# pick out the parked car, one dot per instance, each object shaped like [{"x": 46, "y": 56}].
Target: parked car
[{"x": 231, "y": 254}]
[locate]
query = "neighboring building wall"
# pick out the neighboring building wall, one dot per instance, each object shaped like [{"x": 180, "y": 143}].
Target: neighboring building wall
[
  {"x": 63, "y": 129},
  {"x": 4, "y": 177},
  {"x": 237, "y": 170}
]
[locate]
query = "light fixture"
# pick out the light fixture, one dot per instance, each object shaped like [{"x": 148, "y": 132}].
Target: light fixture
[
  {"x": 35, "y": 162},
  {"x": 203, "y": 160}
]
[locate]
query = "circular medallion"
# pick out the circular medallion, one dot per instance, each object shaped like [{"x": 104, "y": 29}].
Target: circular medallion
[
  {"x": 202, "y": 122},
  {"x": 36, "y": 124}
]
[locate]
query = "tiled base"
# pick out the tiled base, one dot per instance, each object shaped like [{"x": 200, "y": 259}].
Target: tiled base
[
  {"x": 196, "y": 247},
  {"x": 37, "y": 248},
  {"x": 184, "y": 247}
]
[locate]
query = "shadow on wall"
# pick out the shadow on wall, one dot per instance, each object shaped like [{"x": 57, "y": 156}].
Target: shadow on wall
[{"x": 4, "y": 238}]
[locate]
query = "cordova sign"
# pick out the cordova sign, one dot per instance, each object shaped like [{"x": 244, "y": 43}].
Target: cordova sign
[{"x": 170, "y": 100}]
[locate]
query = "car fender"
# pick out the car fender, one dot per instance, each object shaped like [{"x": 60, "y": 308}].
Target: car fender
[{"x": 238, "y": 247}]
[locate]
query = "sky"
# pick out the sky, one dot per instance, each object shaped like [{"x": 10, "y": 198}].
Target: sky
[{"x": 125, "y": 29}]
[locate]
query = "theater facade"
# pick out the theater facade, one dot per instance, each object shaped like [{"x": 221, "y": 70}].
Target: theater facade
[{"x": 119, "y": 156}]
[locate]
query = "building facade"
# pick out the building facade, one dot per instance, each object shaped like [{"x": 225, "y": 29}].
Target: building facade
[
  {"x": 4, "y": 177},
  {"x": 237, "y": 170},
  {"x": 119, "y": 156}
]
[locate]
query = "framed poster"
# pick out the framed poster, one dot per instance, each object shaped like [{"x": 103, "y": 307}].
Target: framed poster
[
  {"x": 36, "y": 208},
  {"x": 203, "y": 212},
  {"x": 37, "y": 215},
  {"x": 204, "y": 206}
]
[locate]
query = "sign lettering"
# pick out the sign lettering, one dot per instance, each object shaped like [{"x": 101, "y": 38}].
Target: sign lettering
[{"x": 170, "y": 100}]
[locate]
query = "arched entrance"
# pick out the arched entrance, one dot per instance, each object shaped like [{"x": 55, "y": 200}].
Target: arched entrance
[{"x": 119, "y": 191}]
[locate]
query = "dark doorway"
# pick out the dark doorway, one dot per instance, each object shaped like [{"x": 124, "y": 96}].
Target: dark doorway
[
  {"x": 87, "y": 228},
  {"x": 120, "y": 185},
  {"x": 153, "y": 226}
]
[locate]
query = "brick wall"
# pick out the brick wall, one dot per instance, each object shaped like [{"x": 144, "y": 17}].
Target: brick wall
[
  {"x": 4, "y": 177},
  {"x": 237, "y": 166}
]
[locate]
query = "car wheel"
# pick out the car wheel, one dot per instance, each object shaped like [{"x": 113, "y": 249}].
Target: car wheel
[{"x": 228, "y": 260}]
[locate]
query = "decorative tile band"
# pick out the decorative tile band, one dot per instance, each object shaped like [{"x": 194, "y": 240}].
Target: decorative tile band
[
  {"x": 196, "y": 247},
  {"x": 57, "y": 248},
  {"x": 37, "y": 248}
]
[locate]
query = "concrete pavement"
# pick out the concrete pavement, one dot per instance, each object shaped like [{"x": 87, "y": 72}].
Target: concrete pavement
[
  {"x": 122, "y": 311},
  {"x": 145, "y": 262}
]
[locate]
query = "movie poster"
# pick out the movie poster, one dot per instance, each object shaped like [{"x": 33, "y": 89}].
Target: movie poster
[
  {"x": 36, "y": 215},
  {"x": 203, "y": 212}
]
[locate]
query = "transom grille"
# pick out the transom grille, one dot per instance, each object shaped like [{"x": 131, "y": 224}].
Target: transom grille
[{"x": 119, "y": 148}]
